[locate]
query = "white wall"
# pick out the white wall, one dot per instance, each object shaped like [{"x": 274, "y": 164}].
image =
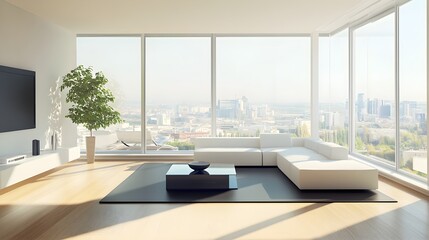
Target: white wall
[{"x": 28, "y": 42}]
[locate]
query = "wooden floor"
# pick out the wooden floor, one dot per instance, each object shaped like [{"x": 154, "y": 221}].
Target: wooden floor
[{"x": 63, "y": 204}]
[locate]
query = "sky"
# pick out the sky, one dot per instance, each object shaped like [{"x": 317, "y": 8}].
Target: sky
[
  {"x": 334, "y": 68},
  {"x": 260, "y": 68},
  {"x": 374, "y": 58},
  {"x": 413, "y": 62},
  {"x": 178, "y": 70},
  {"x": 265, "y": 69}
]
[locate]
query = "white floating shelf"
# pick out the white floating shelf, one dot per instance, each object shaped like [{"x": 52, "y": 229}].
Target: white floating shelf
[{"x": 34, "y": 165}]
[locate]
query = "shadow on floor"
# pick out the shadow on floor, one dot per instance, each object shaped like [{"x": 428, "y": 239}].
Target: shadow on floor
[
  {"x": 408, "y": 222},
  {"x": 271, "y": 221}
]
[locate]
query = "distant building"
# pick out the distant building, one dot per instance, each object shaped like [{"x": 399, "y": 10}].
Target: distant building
[
  {"x": 332, "y": 120},
  {"x": 180, "y": 120},
  {"x": 385, "y": 111},
  {"x": 407, "y": 108},
  {"x": 420, "y": 117},
  {"x": 228, "y": 109},
  {"x": 421, "y": 120},
  {"x": 346, "y": 114},
  {"x": 263, "y": 111},
  {"x": 360, "y": 105},
  {"x": 373, "y": 106},
  {"x": 152, "y": 121},
  {"x": 234, "y": 109},
  {"x": 189, "y": 135},
  {"x": 163, "y": 119},
  {"x": 200, "y": 109},
  {"x": 304, "y": 128},
  {"x": 182, "y": 109}
]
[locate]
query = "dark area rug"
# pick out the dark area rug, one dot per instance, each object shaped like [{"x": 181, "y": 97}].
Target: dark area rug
[{"x": 255, "y": 184}]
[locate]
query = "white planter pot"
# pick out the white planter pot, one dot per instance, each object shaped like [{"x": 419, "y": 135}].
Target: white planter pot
[{"x": 90, "y": 149}]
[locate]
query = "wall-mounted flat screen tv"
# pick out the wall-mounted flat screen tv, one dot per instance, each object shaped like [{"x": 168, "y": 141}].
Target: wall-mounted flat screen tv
[{"x": 17, "y": 99}]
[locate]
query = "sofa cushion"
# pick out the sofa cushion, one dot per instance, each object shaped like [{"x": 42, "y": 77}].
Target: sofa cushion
[
  {"x": 298, "y": 142},
  {"x": 342, "y": 174},
  {"x": 224, "y": 142},
  {"x": 332, "y": 165},
  {"x": 236, "y": 156},
  {"x": 279, "y": 140},
  {"x": 297, "y": 154},
  {"x": 312, "y": 144},
  {"x": 227, "y": 149},
  {"x": 333, "y": 151},
  {"x": 325, "y": 174},
  {"x": 269, "y": 156}
]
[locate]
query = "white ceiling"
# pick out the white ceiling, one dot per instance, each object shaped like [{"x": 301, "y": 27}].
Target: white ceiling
[{"x": 200, "y": 16}]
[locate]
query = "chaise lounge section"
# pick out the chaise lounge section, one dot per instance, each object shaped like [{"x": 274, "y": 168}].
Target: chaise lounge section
[{"x": 314, "y": 164}]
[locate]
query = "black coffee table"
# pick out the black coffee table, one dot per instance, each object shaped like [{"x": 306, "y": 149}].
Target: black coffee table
[{"x": 215, "y": 177}]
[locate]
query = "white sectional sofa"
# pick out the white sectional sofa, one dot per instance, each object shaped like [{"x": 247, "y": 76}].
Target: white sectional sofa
[
  {"x": 271, "y": 145},
  {"x": 308, "y": 163}
]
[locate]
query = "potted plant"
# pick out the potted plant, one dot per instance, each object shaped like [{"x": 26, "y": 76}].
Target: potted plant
[{"x": 90, "y": 103}]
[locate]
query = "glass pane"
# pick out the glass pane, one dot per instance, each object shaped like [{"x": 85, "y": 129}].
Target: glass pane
[
  {"x": 374, "y": 75},
  {"x": 412, "y": 80},
  {"x": 178, "y": 81},
  {"x": 263, "y": 86},
  {"x": 119, "y": 58},
  {"x": 333, "y": 88}
]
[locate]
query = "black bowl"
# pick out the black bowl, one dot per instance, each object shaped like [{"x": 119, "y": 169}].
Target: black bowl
[
  {"x": 198, "y": 165},
  {"x": 199, "y": 172}
]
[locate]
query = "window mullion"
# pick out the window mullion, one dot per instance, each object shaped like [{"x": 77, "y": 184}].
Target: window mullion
[
  {"x": 397, "y": 120},
  {"x": 143, "y": 92},
  {"x": 213, "y": 85},
  {"x": 351, "y": 137}
]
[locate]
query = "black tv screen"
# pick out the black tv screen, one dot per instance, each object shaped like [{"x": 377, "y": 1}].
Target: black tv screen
[{"x": 17, "y": 99}]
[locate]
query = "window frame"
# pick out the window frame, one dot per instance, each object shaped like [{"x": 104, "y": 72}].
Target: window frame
[
  {"x": 214, "y": 80},
  {"x": 352, "y": 84},
  {"x": 143, "y": 84},
  {"x": 213, "y": 74},
  {"x": 352, "y": 91}
]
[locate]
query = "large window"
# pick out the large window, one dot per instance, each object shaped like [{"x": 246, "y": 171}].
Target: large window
[
  {"x": 119, "y": 58},
  {"x": 334, "y": 87},
  {"x": 412, "y": 87},
  {"x": 230, "y": 86},
  {"x": 374, "y": 78},
  {"x": 178, "y": 83},
  {"x": 263, "y": 85},
  {"x": 241, "y": 86}
]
